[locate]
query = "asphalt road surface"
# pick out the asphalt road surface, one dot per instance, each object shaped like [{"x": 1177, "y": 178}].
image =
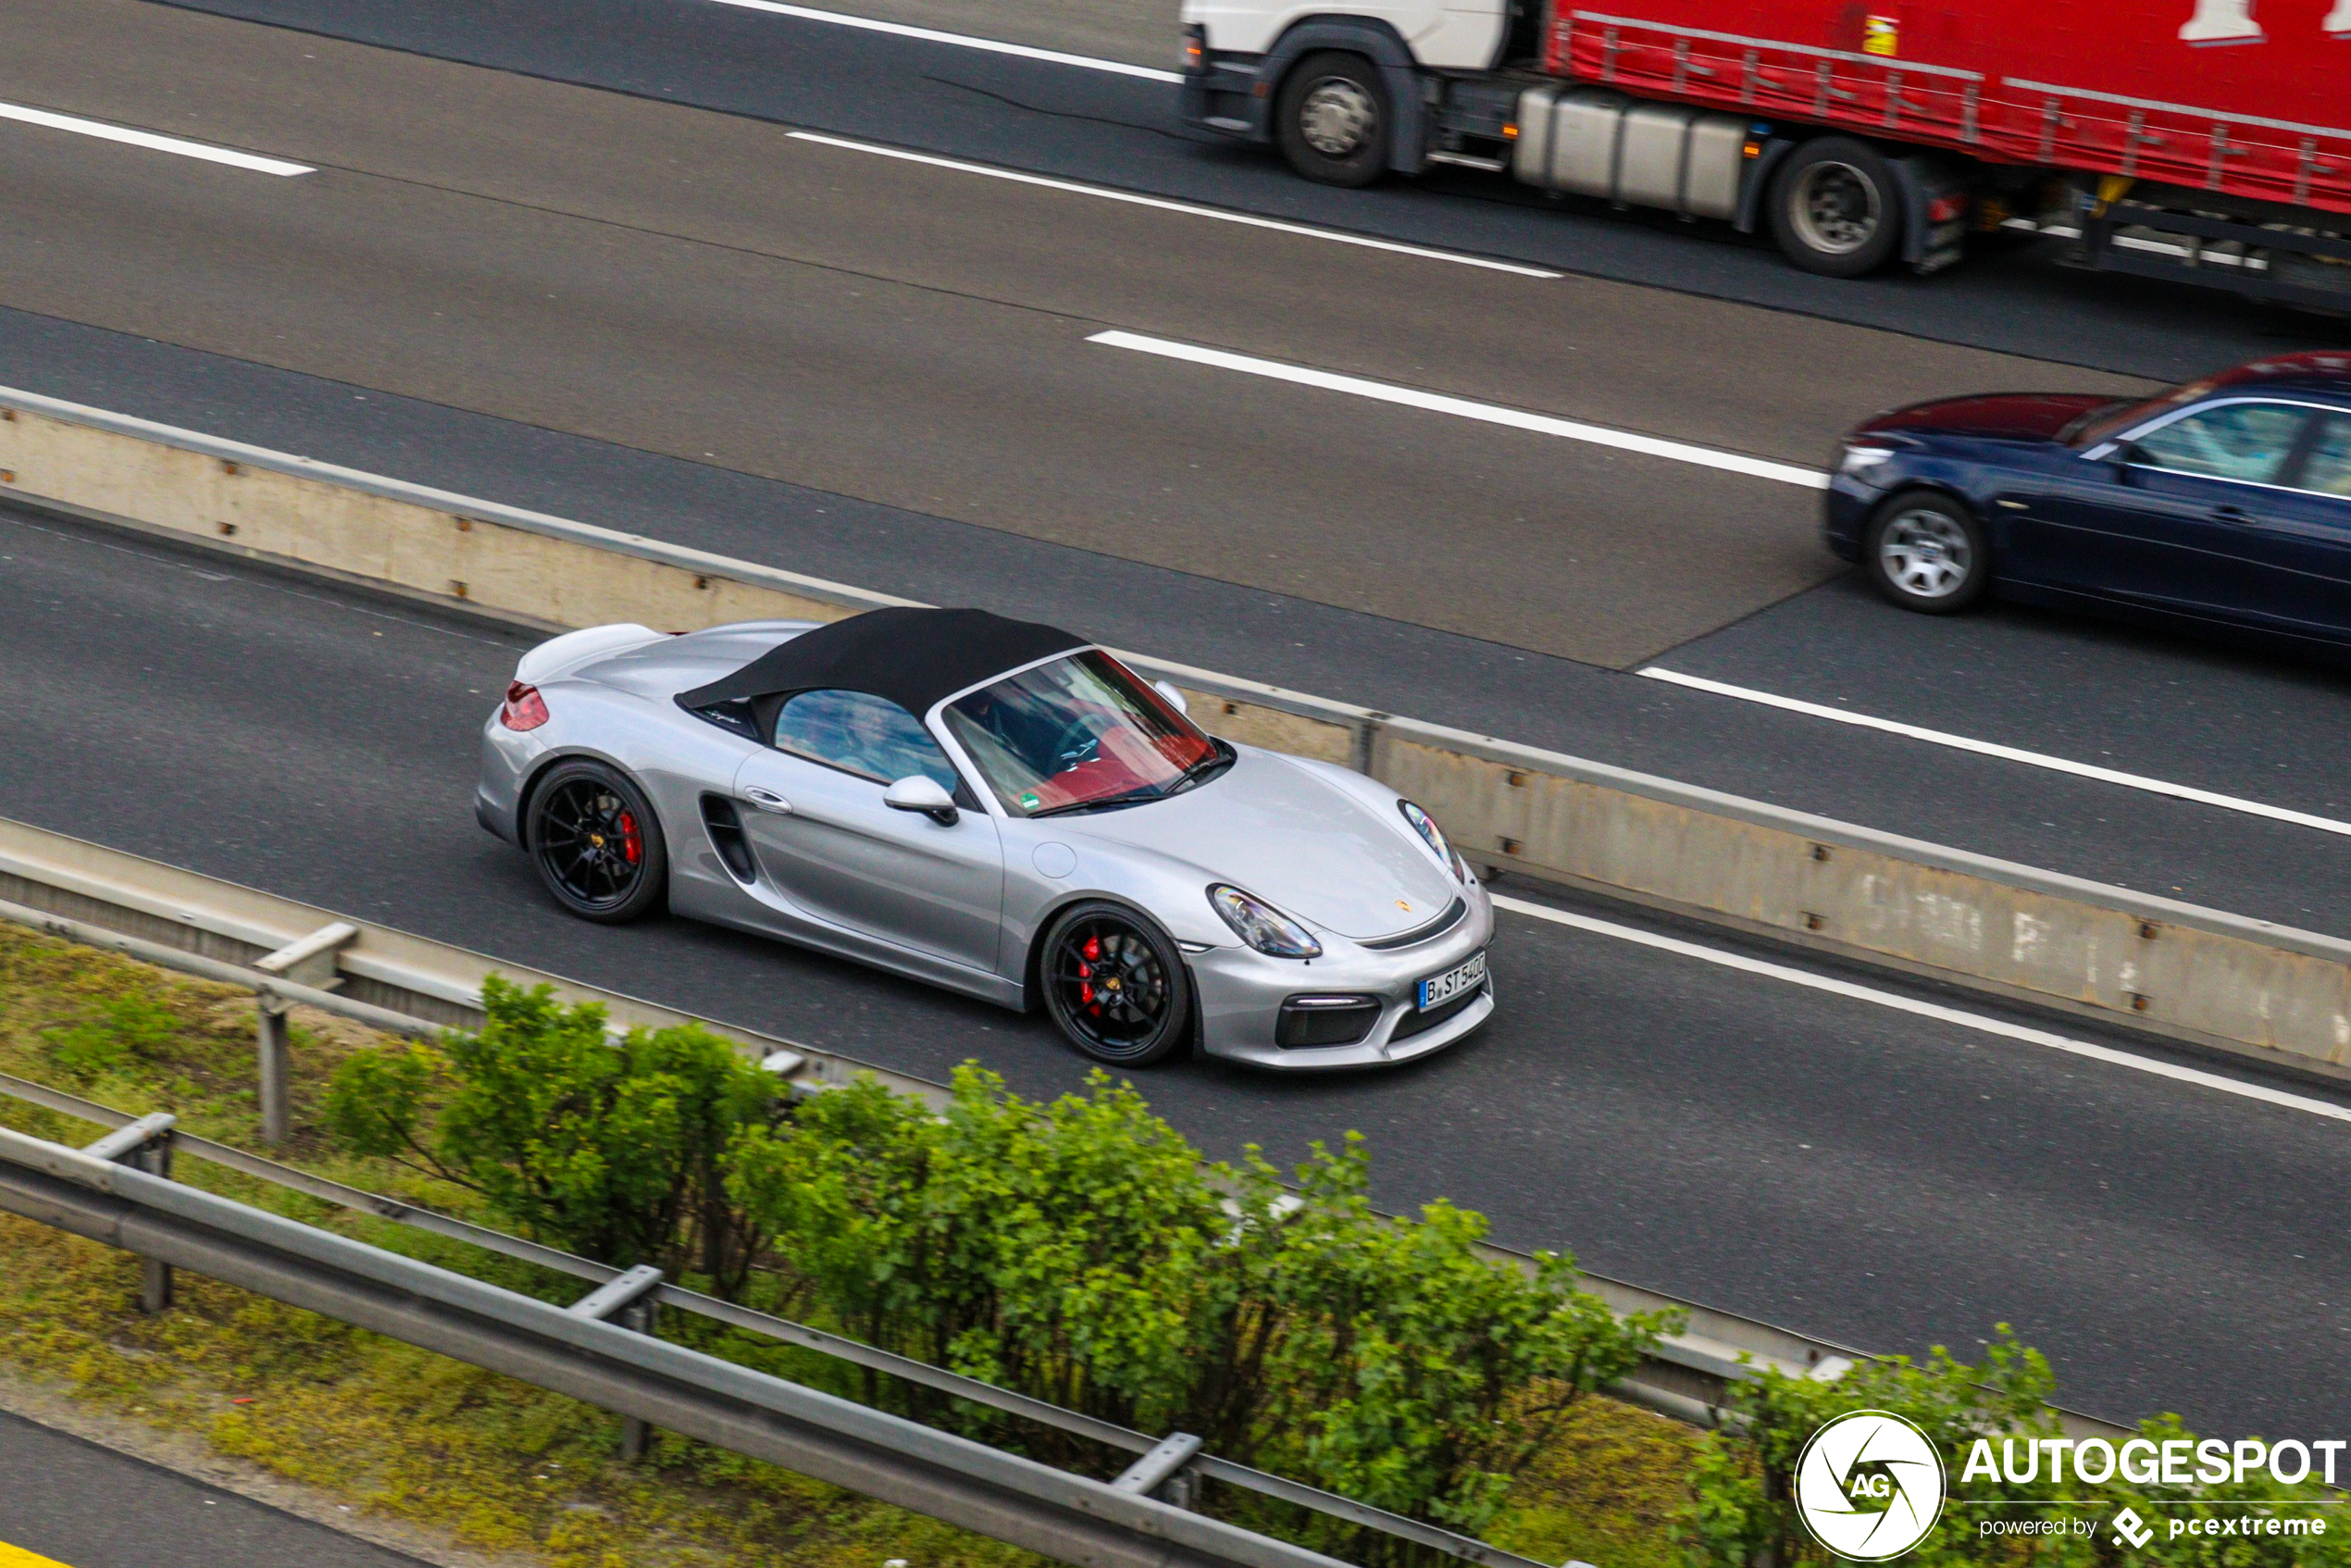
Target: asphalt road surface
[
  {"x": 881, "y": 371},
  {"x": 595, "y": 271},
  {"x": 83, "y": 1506},
  {"x": 1867, "y": 1175},
  {"x": 1122, "y": 130}
]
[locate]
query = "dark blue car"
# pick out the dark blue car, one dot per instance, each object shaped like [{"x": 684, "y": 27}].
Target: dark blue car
[{"x": 2225, "y": 502}]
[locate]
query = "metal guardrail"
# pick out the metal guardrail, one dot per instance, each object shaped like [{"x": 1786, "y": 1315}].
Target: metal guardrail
[
  {"x": 418, "y": 985},
  {"x": 158, "y": 1138},
  {"x": 581, "y": 1352},
  {"x": 200, "y": 924}
]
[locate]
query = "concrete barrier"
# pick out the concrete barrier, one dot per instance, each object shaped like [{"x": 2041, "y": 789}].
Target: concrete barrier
[{"x": 2215, "y": 980}]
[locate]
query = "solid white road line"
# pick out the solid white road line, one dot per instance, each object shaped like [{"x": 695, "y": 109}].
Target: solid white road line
[
  {"x": 1168, "y": 205},
  {"x": 960, "y": 40},
  {"x": 2007, "y": 753},
  {"x": 1463, "y": 408},
  {"x": 152, "y": 141},
  {"x": 1131, "y": 199},
  {"x": 1936, "y": 1011}
]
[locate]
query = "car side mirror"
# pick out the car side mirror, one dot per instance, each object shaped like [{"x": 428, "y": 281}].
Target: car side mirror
[
  {"x": 1175, "y": 698},
  {"x": 2126, "y": 454},
  {"x": 922, "y": 794}
]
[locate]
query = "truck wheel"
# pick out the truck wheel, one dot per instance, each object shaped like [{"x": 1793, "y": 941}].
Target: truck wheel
[
  {"x": 1836, "y": 208},
  {"x": 1332, "y": 120}
]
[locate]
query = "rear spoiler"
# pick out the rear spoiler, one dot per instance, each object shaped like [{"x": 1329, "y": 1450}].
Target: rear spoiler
[{"x": 559, "y": 655}]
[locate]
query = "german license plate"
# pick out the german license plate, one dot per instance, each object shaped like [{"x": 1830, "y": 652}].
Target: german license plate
[{"x": 1460, "y": 980}]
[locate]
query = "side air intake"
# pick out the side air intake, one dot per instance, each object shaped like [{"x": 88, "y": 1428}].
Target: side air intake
[{"x": 726, "y": 830}]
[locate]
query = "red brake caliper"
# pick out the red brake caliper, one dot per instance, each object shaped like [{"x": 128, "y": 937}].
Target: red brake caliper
[
  {"x": 632, "y": 843},
  {"x": 1093, "y": 951}
]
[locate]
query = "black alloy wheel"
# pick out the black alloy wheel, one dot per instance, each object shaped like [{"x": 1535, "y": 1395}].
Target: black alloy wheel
[
  {"x": 1837, "y": 207},
  {"x": 597, "y": 843},
  {"x": 1332, "y": 117},
  {"x": 1115, "y": 985}
]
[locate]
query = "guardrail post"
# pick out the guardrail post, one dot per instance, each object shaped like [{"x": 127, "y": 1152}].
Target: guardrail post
[
  {"x": 626, "y": 1299},
  {"x": 636, "y": 1434},
  {"x": 309, "y": 961},
  {"x": 277, "y": 1120},
  {"x": 143, "y": 1145},
  {"x": 1363, "y": 746},
  {"x": 1162, "y": 1470},
  {"x": 154, "y": 1275}
]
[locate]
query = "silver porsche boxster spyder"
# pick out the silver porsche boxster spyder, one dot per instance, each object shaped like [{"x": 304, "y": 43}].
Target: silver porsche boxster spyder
[{"x": 1000, "y": 808}]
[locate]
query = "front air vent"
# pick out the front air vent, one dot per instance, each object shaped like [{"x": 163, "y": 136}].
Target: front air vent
[
  {"x": 1309, "y": 1020},
  {"x": 726, "y": 830},
  {"x": 1418, "y": 934}
]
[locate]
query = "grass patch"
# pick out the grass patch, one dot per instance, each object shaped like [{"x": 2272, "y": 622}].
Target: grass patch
[{"x": 502, "y": 1465}]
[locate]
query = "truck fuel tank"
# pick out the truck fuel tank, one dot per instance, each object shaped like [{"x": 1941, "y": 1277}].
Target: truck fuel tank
[{"x": 1595, "y": 141}]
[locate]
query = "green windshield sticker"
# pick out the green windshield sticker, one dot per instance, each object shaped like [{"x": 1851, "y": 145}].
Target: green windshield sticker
[{"x": 1028, "y": 798}]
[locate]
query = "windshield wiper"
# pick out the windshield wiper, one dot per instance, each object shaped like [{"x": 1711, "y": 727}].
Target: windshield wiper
[
  {"x": 1220, "y": 756},
  {"x": 1224, "y": 757},
  {"x": 1131, "y": 797}
]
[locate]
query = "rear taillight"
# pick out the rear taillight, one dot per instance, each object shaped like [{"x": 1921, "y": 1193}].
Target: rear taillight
[{"x": 524, "y": 709}]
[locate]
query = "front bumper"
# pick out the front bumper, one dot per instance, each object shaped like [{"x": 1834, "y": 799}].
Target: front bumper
[
  {"x": 1845, "y": 506},
  {"x": 1242, "y": 992},
  {"x": 1227, "y": 96}
]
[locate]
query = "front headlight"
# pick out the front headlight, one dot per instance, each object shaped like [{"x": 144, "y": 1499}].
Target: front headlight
[
  {"x": 1426, "y": 826},
  {"x": 1262, "y": 926},
  {"x": 1857, "y": 458}
]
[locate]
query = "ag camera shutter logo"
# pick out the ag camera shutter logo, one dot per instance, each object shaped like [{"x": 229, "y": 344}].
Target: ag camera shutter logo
[{"x": 1869, "y": 1485}]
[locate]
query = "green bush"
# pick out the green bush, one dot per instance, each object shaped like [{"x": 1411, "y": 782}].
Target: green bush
[
  {"x": 617, "y": 1152},
  {"x": 1743, "y": 1516},
  {"x": 1025, "y": 1248},
  {"x": 1080, "y": 1251}
]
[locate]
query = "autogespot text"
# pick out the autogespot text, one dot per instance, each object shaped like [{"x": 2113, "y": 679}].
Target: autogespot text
[{"x": 2145, "y": 1462}]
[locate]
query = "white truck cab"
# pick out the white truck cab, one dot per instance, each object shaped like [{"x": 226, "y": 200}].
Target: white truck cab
[
  {"x": 1347, "y": 93},
  {"x": 1441, "y": 34}
]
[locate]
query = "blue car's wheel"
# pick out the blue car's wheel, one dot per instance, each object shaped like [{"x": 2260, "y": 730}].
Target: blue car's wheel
[
  {"x": 1926, "y": 552},
  {"x": 1115, "y": 984}
]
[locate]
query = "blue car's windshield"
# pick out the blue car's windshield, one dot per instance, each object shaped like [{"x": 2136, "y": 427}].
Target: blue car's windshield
[{"x": 2104, "y": 424}]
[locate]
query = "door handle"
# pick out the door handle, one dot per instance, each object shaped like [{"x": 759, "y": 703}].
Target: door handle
[
  {"x": 767, "y": 800},
  {"x": 2232, "y": 514}
]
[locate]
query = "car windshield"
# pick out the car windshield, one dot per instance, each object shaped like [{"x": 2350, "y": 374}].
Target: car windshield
[
  {"x": 1078, "y": 734},
  {"x": 2106, "y": 423}
]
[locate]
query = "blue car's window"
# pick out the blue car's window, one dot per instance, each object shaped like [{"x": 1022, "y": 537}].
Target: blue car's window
[
  {"x": 2232, "y": 440},
  {"x": 859, "y": 734},
  {"x": 2328, "y": 467}
]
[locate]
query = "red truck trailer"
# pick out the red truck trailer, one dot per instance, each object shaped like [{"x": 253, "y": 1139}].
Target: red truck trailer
[{"x": 2207, "y": 140}]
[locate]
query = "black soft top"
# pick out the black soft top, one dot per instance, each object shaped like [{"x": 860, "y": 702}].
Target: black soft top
[{"x": 912, "y": 657}]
